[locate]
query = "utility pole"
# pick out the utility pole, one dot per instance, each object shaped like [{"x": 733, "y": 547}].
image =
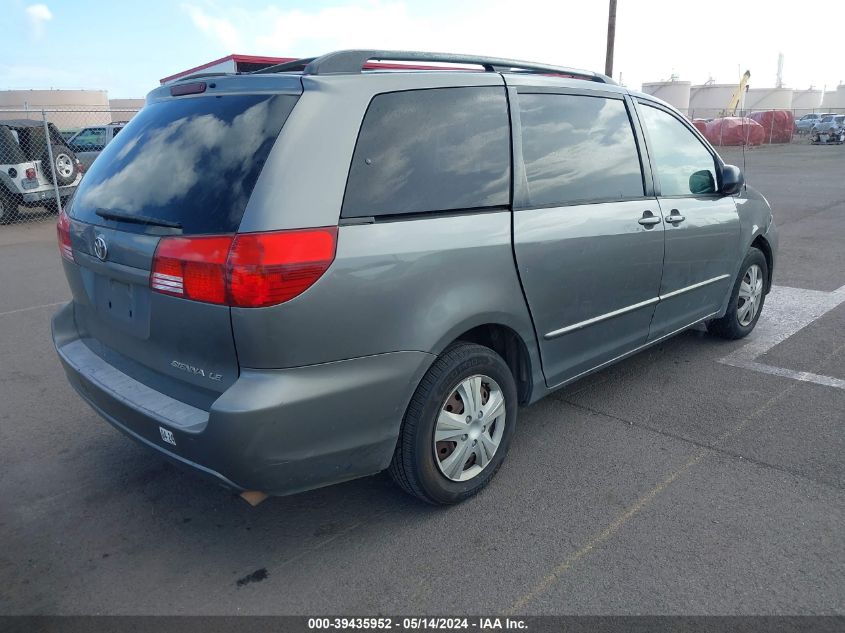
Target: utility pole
[{"x": 611, "y": 37}]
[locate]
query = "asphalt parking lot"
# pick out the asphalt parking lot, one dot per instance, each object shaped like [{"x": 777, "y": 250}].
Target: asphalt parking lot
[{"x": 700, "y": 477}]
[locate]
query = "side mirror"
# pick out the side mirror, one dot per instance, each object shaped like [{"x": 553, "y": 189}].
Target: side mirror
[
  {"x": 732, "y": 180},
  {"x": 701, "y": 182}
]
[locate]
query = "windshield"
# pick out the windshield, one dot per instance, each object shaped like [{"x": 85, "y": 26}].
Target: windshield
[{"x": 190, "y": 162}]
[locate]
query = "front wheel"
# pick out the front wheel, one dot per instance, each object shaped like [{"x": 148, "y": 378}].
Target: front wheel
[
  {"x": 458, "y": 426},
  {"x": 747, "y": 298}
]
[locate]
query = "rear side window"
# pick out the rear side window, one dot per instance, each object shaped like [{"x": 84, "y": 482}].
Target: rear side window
[
  {"x": 191, "y": 161},
  {"x": 683, "y": 165},
  {"x": 431, "y": 150},
  {"x": 578, "y": 149}
]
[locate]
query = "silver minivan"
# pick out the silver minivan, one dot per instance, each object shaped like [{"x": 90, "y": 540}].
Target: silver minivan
[{"x": 335, "y": 267}]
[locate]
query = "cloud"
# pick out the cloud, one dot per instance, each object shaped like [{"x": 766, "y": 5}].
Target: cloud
[
  {"x": 38, "y": 15},
  {"x": 216, "y": 27},
  {"x": 472, "y": 26},
  {"x": 650, "y": 45}
]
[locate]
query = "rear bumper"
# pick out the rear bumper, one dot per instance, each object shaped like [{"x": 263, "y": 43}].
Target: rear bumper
[
  {"x": 279, "y": 431},
  {"x": 46, "y": 195}
]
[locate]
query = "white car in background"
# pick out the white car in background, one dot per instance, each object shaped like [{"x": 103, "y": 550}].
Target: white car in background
[
  {"x": 805, "y": 124},
  {"x": 34, "y": 166},
  {"x": 830, "y": 129}
]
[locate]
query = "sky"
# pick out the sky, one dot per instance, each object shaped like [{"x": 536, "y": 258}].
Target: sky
[{"x": 125, "y": 47}]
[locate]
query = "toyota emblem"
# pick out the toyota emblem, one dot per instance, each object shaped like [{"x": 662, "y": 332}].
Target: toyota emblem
[{"x": 101, "y": 249}]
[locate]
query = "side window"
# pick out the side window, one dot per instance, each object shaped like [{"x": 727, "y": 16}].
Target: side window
[
  {"x": 683, "y": 164},
  {"x": 578, "y": 149},
  {"x": 90, "y": 138},
  {"x": 431, "y": 150},
  {"x": 115, "y": 130}
]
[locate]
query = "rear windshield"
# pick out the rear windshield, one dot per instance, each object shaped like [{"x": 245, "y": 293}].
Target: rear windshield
[{"x": 191, "y": 162}]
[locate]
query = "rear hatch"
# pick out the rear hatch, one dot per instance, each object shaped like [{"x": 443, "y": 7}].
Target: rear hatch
[{"x": 183, "y": 167}]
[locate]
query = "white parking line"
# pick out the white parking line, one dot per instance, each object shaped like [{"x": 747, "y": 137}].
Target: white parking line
[
  {"x": 46, "y": 305},
  {"x": 786, "y": 311}
]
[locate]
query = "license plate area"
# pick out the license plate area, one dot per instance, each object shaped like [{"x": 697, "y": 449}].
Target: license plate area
[
  {"x": 119, "y": 300},
  {"x": 122, "y": 305}
]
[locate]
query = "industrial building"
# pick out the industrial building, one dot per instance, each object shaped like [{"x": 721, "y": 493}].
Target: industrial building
[
  {"x": 89, "y": 107},
  {"x": 230, "y": 64}
]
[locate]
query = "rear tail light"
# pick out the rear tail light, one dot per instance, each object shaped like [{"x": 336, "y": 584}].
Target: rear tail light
[
  {"x": 63, "y": 233},
  {"x": 248, "y": 270},
  {"x": 192, "y": 267},
  {"x": 30, "y": 173}
]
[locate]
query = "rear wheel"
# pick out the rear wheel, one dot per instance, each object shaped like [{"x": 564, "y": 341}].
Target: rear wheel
[
  {"x": 458, "y": 426},
  {"x": 747, "y": 298}
]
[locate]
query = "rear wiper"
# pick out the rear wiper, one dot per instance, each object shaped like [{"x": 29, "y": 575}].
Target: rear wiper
[{"x": 137, "y": 219}]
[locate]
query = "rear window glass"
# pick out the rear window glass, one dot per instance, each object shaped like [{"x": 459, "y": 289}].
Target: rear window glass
[
  {"x": 578, "y": 149},
  {"x": 191, "y": 161},
  {"x": 431, "y": 150}
]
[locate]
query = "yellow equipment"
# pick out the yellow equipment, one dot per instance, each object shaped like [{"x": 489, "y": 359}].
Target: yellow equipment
[{"x": 734, "y": 102}]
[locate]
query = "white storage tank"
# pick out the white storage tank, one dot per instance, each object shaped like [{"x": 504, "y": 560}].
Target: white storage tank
[
  {"x": 675, "y": 93},
  {"x": 768, "y": 99},
  {"x": 710, "y": 100},
  {"x": 804, "y": 101},
  {"x": 834, "y": 100}
]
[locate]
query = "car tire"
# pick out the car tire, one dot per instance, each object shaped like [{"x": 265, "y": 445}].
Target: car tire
[
  {"x": 63, "y": 165},
  {"x": 750, "y": 286},
  {"x": 8, "y": 208},
  {"x": 420, "y": 462}
]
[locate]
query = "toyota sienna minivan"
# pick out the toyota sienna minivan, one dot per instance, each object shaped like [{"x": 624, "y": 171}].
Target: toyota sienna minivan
[{"x": 336, "y": 266}]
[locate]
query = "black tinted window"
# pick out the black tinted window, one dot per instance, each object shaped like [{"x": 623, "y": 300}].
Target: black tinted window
[
  {"x": 193, "y": 161},
  {"x": 683, "y": 164},
  {"x": 578, "y": 148},
  {"x": 431, "y": 150}
]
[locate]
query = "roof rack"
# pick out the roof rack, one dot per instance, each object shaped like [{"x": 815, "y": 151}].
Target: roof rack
[
  {"x": 200, "y": 76},
  {"x": 354, "y": 61},
  {"x": 297, "y": 65}
]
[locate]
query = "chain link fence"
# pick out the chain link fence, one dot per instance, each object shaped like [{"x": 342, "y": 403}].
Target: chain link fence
[
  {"x": 779, "y": 126},
  {"x": 44, "y": 155},
  {"x": 797, "y": 113}
]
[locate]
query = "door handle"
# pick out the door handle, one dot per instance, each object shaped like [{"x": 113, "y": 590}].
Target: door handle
[
  {"x": 649, "y": 219},
  {"x": 675, "y": 217}
]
